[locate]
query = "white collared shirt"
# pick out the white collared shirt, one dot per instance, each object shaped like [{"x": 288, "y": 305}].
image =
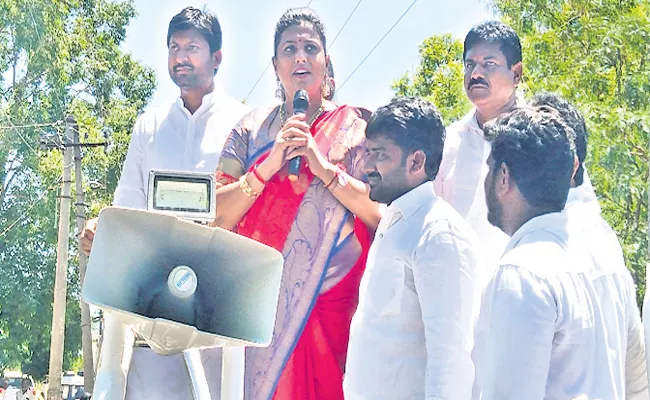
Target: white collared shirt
[
  {"x": 583, "y": 211},
  {"x": 168, "y": 138},
  {"x": 171, "y": 138},
  {"x": 556, "y": 318},
  {"x": 460, "y": 182},
  {"x": 411, "y": 336}
]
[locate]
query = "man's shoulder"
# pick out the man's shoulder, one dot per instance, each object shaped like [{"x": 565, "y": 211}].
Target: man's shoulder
[
  {"x": 544, "y": 253},
  {"x": 440, "y": 218},
  {"x": 234, "y": 106},
  {"x": 158, "y": 111},
  {"x": 462, "y": 125},
  {"x": 453, "y": 137},
  {"x": 150, "y": 118}
]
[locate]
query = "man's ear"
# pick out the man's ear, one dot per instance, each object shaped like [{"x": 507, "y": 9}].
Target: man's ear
[
  {"x": 517, "y": 70},
  {"x": 415, "y": 163},
  {"x": 504, "y": 180},
  {"x": 217, "y": 56}
]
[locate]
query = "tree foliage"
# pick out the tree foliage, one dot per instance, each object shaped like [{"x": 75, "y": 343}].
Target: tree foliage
[
  {"x": 439, "y": 77},
  {"x": 595, "y": 54},
  {"x": 57, "y": 58}
]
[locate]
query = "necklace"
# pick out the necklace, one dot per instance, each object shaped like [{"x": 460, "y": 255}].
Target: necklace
[{"x": 283, "y": 115}]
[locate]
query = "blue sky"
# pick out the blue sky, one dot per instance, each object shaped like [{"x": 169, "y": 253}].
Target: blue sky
[{"x": 248, "y": 27}]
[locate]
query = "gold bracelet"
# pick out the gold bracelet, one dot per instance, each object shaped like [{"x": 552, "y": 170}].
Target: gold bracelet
[{"x": 246, "y": 188}]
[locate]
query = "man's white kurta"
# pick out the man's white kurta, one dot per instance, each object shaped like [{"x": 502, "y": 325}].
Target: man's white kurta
[
  {"x": 169, "y": 138},
  {"x": 559, "y": 318},
  {"x": 411, "y": 335}
]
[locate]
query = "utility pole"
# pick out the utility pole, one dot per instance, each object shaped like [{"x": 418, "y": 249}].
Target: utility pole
[
  {"x": 70, "y": 146},
  {"x": 54, "y": 391},
  {"x": 86, "y": 334},
  {"x": 646, "y": 297}
]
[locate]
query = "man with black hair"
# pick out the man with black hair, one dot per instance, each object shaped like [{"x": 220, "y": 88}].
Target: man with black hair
[
  {"x": 553, "y": 320},
  {"x": 186, "y": 135},
  {"x": 411, "y": 335},
  {"x": 493, "y": 68},
  {"x": 584, "y": 216}
]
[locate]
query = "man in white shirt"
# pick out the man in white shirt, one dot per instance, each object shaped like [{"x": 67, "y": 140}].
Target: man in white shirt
[
  {"x": 411, "y": 336},
  {"x": 493, "y": 67},
  {"x": 585, "y": 220},
  {"x": 186, "y": 135},
  {"x": 553, "y": 321}
]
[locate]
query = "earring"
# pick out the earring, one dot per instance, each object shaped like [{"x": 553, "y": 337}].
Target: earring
[
  {"x": 279, "y": 92},
  {"x": 326, "y": 89}
]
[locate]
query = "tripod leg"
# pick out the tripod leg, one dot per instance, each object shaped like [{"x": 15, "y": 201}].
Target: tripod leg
[
  {"x": 200, "y": 388},
  {"x": 115, "y": 361},
  {"x": 232, "y": 373}
]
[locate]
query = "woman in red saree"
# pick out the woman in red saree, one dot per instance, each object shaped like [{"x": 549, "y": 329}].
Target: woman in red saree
[{"x": 320, "y": 222}]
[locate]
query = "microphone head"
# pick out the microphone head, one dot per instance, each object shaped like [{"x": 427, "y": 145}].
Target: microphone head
[{"x": 300, "y": 102}]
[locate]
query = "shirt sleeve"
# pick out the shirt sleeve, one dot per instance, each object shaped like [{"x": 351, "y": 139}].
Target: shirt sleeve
[
  {"x": 515, "y": 336},
  {"x": 636, "y": 373},
  {"x": 131, "y": 191},
  {"x": 443, "y": 269},
  {"x": 439, "y": 183},
  {"x": 443, "y": 184}
]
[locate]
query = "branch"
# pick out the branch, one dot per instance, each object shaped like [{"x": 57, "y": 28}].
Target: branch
[
  {"x": 606, "y": 196},
  {"x": 8, "y": 183}
]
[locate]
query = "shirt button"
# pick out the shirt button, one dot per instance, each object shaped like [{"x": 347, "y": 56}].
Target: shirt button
[{"x": 381, "y": 235}]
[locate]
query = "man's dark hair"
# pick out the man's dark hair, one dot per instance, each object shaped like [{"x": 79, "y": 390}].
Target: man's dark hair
[
  {"x": 297, "y": 17},
  {"x": 538, "y": 148},
  {"x": 495, "y": 32},
  {"x": 412, "y": 124},
  {"x": 574, "y": 120},
  {"x": 206, "y": 23}
]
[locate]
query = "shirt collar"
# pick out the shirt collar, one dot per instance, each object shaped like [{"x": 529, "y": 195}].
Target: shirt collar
[
  {"x": 411, "y": 201},
  {"x": 550, "y": 220},
  {"x": 578, "y": 199},
  {"x": 208, "y": 101},
  {"x": 472, "y": 123}
]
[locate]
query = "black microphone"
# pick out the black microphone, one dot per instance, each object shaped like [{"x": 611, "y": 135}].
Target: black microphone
[{"x": 300, "y": 106}]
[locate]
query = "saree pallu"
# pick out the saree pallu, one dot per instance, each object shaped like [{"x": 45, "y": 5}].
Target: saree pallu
[{"x": 322, "y": 270}]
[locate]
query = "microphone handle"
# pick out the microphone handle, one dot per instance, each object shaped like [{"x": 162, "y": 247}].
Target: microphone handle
[{"x": 294, "y": 168}]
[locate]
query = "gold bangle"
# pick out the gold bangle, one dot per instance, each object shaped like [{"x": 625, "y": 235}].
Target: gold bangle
[{"x": 246, "y": 187}]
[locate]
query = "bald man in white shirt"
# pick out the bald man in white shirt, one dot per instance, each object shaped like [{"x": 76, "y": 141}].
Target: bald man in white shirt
[
  {"x": 553, "y": 321},
  {"x": 186, "y": 135}
]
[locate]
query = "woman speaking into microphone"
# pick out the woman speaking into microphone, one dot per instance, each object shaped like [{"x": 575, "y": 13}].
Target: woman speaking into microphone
[{"x": 319, "y": 217}]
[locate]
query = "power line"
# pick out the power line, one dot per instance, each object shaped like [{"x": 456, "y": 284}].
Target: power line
[
  {"x": 265, "y": 69},
  {"x": 257, "y": 81},
  {"x": 344, "y": 24},
  {"x": 376, "y": 45},
  {"x": 8, "y": 127},
  {"x": 38, "y": 200}
]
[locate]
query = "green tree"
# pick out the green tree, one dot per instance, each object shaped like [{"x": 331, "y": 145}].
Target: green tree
[
  {"x": 57, "y": 58},
  {"x": 439, "y": 77},
  {"x": 596, "y": 54}
]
